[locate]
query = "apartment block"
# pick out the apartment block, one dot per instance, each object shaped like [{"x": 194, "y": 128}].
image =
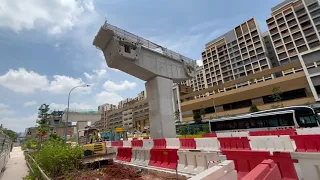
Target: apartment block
[
  {"x": 199, "y": 82},
  {"x": 294, "y": 29},
  {"x": 236, "y": 54},
  {"x": 104, "y": 109}
]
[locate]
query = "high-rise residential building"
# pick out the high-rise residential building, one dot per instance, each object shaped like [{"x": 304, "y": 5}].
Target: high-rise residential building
[
  {"x": 237, "y": 53},
  {"x": 294, "y": 29},
  {"x": 199, "y": 82},
  {"x": 104, "y": 109}
]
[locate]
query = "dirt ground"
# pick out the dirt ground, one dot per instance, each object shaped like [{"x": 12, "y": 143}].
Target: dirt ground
[{"x": 112, "y": 172}]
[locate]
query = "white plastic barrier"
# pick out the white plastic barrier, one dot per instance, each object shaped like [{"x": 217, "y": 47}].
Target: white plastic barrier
[
  {"x": 140, "y": 156},
  {"x": 225, "y": 134},
  {"x": 147, "y": 143},
  {"x": 272, "y": 143},
  {"x": 126, "y": 143},
  {"x": 207, "y": 144},
  {"x": 130, "y": 139},
  {"x": 108, "y": 144},
  {"x": 240, "y": 134},
  {"x": 315, "y": 130},
  {"x": 193, "y": 162},
  {"x": 222, "y": 171},
  {"x": 173, "y": 143},
  {"x": 111, "y": 150},
  {"x": 309, "y": 164}
]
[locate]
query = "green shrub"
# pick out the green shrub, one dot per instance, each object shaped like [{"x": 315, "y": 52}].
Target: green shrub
[{"x": 57, "y": 158}]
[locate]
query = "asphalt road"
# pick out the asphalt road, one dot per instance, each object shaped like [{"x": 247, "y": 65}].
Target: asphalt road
[{"x": 16, "y": 167}]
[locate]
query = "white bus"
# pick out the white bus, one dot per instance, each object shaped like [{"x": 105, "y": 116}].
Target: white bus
[{"x": 294, "y": 116}]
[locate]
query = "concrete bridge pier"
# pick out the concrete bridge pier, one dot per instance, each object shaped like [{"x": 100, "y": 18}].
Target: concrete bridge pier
[{"x": 159, "y": 91}]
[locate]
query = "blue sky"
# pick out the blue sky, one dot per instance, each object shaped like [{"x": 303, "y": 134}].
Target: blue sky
[{"x": 46, "y": 46}]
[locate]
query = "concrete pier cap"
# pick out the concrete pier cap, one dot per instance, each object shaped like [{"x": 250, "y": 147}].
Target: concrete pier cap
[{"x": 156, "y": 65}]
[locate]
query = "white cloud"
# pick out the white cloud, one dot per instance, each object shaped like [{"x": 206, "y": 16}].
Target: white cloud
[
  {"x": 19, "y": 124},
  {"x": 96, "y": 74},
  {"x": 56, "y": 15},
  {"x": 4, "y": 110},
  {"x": 63, "y": 84},
  {"x": 23, "y": 81},
  {"x": 112, "y": 86},
  {"x": 62, "y": 107},
  {"x": 30, "y": 103},
  {"x": 199, "y": 62},
  {"x": 108, "y": 97}
]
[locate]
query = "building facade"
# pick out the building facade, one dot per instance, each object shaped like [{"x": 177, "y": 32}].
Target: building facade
[{"x": 294, "y": 29}]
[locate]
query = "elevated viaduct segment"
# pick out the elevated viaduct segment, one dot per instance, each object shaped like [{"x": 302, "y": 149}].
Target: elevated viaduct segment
[{"x": 150, "y": 62}]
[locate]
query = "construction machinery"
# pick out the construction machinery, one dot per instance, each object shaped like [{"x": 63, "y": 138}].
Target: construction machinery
[
  {"x": 93, "y": 148},
  {"x": 114, "y": 135}
]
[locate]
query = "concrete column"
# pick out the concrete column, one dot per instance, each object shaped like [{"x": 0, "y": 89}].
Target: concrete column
[{"x": 161, "y": 115}]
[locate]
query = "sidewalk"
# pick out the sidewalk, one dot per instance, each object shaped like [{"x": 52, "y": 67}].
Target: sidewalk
[{"x": 16, "y": 167}]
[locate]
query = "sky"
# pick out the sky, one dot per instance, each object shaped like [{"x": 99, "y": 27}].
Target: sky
[{"x": 46, "y": 47}]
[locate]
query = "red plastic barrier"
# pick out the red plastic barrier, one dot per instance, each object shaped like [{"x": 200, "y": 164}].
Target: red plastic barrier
[
  {"x": 134, "y": 139},
  {"x": 187, "y": 143},
  {"x": 117, "y": 143},
  {"x": 124, "y": 154},
  {"x": 159, "y": 143},
  {"x": 234, "y": 143},
  {"x": 307, "y": 143},
  {"x": 164, "y": 158},
  {"x": 245, "y": 161},
  {"x": 137, "y": 143},
  {"x": 266, "y": 170},
  {"x": 210, "y": 135},
  {"x": 146, "y": 137},
  {"x": 273, "y": 132}
]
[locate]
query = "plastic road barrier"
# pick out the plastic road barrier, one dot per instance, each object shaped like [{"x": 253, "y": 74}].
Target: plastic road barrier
[
  {"x": 173, "y": 143},
  {"x": 164, "y": 158},
  {"x": 124, "y": 154},
  {"x": 117, "y": 143},
  {"x": 207, "y": 144},
  {"x": 187, "y": 143},
  {"x": 307, "y": 143},
  {"x": 140, "y": 156},
  {"x": 195, "y": 161},
  {"x": 222, "y": 171},
  {"x": 245, "y": 161},
  {"x": 309, "y": 164},
  {"x": 266, "y": 170},
  {"x": 272, "y": 143},
  {"x": 234, "y": 143},
  {"x": 159, "y": 143}
]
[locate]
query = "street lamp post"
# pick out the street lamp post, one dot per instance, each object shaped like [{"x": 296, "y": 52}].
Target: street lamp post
[{"x": 66, "y": 125}]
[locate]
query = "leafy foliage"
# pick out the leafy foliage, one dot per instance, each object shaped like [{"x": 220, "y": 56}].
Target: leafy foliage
[
  {"x": 30, "y": 144},
  {"x": 276, "y": 95},
  {"x": 43, "y": 127},
  {"x": 57, "y": 158},
  {"x": 194, "y": 129},
  {"x": 254, "y": 108},
  {"x": 197, "y": 117},
  {"x": 177, "y": 115},
  {"x": 13, "y": 135}
]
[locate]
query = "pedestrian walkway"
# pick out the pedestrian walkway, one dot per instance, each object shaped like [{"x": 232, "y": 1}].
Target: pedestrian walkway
[{"x": 16, "y": 167}]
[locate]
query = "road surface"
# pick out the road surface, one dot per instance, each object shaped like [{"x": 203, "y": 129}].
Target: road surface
[{"x": 16, "y": 167}]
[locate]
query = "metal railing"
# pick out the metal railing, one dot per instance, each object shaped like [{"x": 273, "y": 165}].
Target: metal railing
[
  {"x": 147, "y": 44},
  {"x": 43, "y": 175}
]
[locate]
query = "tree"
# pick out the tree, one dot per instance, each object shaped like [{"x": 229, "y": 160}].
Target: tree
[
  {"x": 276, "y": 95},
  {"x": 197, "y": 117},
  {"x": 43, "y": 127},
  {"x": 13, "y": 135},
  {"x": 202, "y": 113},
  {"x": 177, "y": 115},
  {"x": 254, "y": 108}
]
